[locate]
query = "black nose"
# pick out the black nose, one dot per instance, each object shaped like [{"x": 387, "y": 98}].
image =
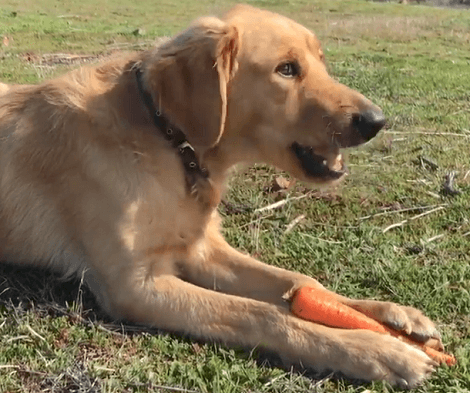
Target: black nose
[{"x": 369, "y": 123}]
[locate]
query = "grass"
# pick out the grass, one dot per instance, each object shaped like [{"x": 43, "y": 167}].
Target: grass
[{"x": 411, "y": 60}]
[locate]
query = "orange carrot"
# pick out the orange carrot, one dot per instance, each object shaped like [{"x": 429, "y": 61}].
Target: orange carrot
[
  {"x": 439, "y": 357},
  {"x": 319, "y": 306}
]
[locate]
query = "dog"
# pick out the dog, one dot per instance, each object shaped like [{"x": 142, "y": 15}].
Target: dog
[
  {"x": 3, "y": 88},
  {"x": 114, "y": 172}
]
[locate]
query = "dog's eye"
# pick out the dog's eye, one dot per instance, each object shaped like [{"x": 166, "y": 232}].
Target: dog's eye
[{"x": 288, "y": 69}]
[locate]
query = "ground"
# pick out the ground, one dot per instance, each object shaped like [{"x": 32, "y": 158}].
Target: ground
[{"x": 394, "y": 230}]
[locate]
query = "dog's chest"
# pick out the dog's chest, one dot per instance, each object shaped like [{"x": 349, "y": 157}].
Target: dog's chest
[{"x": 167, "y": 223}]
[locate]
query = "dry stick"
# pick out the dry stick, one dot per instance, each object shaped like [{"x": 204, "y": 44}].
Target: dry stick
[
  {"x": 431, "y": 239},
  {"x": 173, "y": 389},
  {"x": 272, "y": 206},
  {"x": 293, "y": 223},
  {"x": 433, "y": 194},
  {"x": 321, "y": 239},
  {"x": 399, "y": 224},
  {"x": 400, "y": 211},
  {"x": 102, "y": 368},
  {"x": 273, "y": 381},
  {"x": 281, "y": 203},
  {"x": 428, "y": 133},
  {"x": 11, "y": 339},
  {"x": 35, "y": 334}
]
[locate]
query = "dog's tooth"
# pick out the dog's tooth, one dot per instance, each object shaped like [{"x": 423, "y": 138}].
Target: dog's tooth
[{"x": 336, "y": 164}]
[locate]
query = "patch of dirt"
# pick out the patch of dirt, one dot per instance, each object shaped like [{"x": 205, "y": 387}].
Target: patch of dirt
[
  {"x": 435, "y": 3},
  {"x": 53, "y": 59}
]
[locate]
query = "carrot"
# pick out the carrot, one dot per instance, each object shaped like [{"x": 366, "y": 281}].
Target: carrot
[
  {"x": 439, "y": 357},
  {"x": 319, "y": 306}
]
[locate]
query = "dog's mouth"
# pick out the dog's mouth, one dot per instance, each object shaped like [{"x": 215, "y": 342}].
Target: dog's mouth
[{"x": 317, "y": 166}]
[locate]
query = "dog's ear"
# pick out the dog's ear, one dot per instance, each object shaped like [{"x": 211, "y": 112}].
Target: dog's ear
[{"x": 188, "y": 78}]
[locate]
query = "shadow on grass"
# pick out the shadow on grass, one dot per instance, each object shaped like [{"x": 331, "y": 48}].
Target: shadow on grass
[{"x": 27, "y": 288}]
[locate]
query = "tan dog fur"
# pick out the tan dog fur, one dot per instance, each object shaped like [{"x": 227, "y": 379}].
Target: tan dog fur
[
  {"x": 89, "y": 186},
  {"x": 3, "y": 88}
]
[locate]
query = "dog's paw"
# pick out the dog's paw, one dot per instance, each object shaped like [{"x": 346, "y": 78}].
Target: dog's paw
[
  {"x": 406, "y": 319},
  {"x": 372, "y": 356}
]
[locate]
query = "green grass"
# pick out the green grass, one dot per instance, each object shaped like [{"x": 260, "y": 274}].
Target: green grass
[{"x": 411, "y": 60}]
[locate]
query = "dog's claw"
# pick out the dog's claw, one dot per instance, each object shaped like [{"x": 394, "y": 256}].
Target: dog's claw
[
  {"x": 396, "y": 325},
  {"x": 419, "y": 337},
  {"x": 403, "y": 384}
]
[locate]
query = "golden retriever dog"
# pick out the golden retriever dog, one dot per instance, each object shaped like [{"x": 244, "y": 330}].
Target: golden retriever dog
[{"x": 114, "y": 173}]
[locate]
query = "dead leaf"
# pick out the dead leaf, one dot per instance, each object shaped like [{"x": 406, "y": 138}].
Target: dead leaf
[
  {"x": 281, "y": 183},
  {"x": 6, "y": 41}
]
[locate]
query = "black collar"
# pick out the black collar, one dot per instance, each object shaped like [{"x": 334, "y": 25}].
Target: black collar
[{"x": 174, "y": 135}]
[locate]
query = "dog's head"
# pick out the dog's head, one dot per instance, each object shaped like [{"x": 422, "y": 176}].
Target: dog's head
[{"x": 253, "y": 87}]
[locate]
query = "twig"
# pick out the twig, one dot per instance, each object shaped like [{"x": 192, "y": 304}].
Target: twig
[
  {"x": 272, "y": 381},
  {"x": 8, "y": 366},
  {"x": 105, "y": 329},
  {"x": 278, "y": 204},
  {"x": 398, "y": 211},
  {"x": 35, "y": 334},
  {"x": 272, "y": 206},
  {"x": 28, "y": 371},
  {"x": 293, "y": 223},
  {"x": 11, "y": 339},
  {"x": 466, "y": 234},
  {"x": 428, "y": 133},
  {"x": 102, "y": 368},
  {"x": 172, "y": 389},
  {"x": 322, "y": 381},
  {"x": 419, "y": 181},
  {"x": 399, "y": 224},
  {"x": 163, "y": 387},
  {"x": 466, "y": 175},
  {"x": 323, "y": 240},
  {"x": 431, "y": 239},
  {"x": 433, "y": 194},
  {"x": 428, "y": 162}
]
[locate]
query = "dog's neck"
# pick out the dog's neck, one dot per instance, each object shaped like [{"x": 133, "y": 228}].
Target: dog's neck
[
  {"x": 197, "y": 178},
  {"x": 173, "y": 134}
]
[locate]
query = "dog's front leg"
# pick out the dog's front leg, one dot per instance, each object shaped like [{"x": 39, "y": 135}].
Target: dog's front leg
[
  {"x": 224, "y": 269},
  {"x": 227, "y": 270},
  {"x": 167, "y": 302}
]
